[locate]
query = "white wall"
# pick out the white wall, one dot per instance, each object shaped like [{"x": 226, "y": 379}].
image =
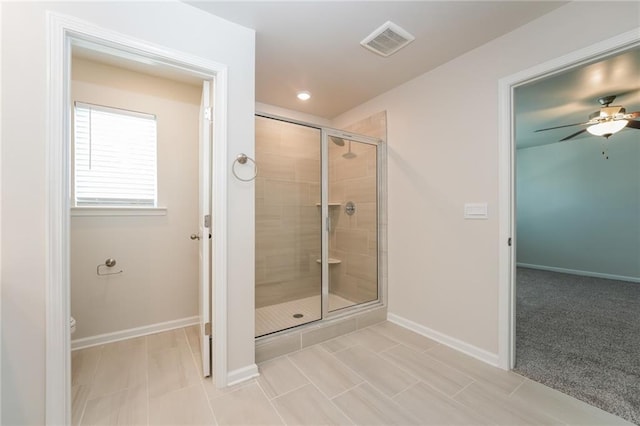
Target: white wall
[
  {"x": 157, "y": 285},
  {"x": 443, "y": 152},
  {"x": 290, "y": 114},
  {"x": 576, "y": 210},
  {"x": 24, "y": 105}
]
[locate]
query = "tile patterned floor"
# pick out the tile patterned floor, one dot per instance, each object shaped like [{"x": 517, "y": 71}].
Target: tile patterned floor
[
  {"x": 278, "y": 317},
  {"x": 380, "y": 375}
]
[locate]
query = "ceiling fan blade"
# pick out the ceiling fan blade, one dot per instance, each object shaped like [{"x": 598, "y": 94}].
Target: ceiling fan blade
[
  {"x": 560, "y": 127},
  {"x": 573, "y": 135},
  {"x": 633, "y": 124}
]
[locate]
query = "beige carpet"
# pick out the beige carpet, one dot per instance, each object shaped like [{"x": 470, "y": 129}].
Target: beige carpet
[{"x": 581, "y": 335}]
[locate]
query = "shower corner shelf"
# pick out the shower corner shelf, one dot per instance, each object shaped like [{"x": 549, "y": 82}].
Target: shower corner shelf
[
  {"x": 332, "y": 261},
  {"x": 330, "y": 204}
]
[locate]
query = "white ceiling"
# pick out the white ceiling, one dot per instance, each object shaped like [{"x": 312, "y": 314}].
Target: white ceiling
[
  {"x": 570, "y": 97},
  {"x": 315, "y": 45}
]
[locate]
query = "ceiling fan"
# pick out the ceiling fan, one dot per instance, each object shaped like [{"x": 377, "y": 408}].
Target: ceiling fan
[{"x": 605, "y": 122}]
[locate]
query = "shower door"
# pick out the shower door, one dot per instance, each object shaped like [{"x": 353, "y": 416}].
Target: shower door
[
  {"x": 351, "y": 265},
  {"x": 288, "y": 225},
  {"x": 317, "y": 223}
]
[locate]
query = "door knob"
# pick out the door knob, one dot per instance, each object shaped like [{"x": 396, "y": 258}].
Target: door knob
[{"x": 195, "y": 237}]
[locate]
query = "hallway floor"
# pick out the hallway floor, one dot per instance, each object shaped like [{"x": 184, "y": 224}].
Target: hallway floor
[{"x": 383, "y": 374}]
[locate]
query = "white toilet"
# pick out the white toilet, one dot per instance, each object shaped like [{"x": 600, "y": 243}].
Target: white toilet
[{"x": 73, "y": 325}]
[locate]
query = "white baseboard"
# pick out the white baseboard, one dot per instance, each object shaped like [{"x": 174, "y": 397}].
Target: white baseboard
[
  {"x": 578, "y": 272},
  {"x": 242, "y": 374},
  {"x": 102, "y": 339},
  {"x": 452, "y": 342}
]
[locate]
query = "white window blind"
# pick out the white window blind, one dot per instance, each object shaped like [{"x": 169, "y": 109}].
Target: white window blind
[{"x": 115, "y": 157}]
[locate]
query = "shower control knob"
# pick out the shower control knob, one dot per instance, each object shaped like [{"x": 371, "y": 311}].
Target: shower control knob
[
  {"x": 350, "y": 208},
  {"x": 195, "y": 237}
]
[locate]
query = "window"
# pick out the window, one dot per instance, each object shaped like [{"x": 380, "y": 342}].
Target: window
[{"x": 114, "y": 158}]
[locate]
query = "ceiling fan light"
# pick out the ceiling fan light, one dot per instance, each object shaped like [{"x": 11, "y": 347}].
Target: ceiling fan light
[{"x": 607, "y": 127}]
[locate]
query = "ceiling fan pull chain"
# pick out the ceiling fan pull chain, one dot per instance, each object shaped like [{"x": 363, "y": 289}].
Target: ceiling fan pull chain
[{"x": 604, "y": 151}]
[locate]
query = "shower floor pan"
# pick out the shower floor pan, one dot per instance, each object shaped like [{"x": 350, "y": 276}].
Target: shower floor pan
[{"x": 270, "y": 319}]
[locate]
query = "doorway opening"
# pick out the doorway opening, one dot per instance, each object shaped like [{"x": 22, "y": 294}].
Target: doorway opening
[
  {"x": 510, "y": 89},
  {"x": 69, "y": 36}
]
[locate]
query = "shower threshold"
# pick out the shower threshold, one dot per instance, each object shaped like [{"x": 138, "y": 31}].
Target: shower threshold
[{"x": 281, "y": 316}]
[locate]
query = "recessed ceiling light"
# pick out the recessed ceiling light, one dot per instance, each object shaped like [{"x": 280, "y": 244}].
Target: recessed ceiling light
[{"x": 304, "y": 96}]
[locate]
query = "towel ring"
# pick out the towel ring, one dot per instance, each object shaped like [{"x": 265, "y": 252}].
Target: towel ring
[{"x": 242, "y": 159}]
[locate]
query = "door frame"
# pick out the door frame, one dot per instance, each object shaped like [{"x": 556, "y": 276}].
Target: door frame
[
  {"x": 506, "y": 175},
  {"x": 205, "y": 254},
  {"x": 62, "y": 30}
]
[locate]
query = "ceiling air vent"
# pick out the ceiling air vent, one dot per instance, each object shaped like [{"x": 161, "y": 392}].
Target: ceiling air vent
[{"x": 387, "y": 40}]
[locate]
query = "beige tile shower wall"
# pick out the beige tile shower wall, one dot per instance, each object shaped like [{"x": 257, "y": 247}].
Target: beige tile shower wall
[
  {"x": 374, "y": 126},
  {"x": 287, "y": 217},
  {"x": 354, "y": 239}
]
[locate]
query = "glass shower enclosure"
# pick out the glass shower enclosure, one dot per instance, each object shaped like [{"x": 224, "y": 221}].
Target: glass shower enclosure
[{"x": 317, "y": 227}]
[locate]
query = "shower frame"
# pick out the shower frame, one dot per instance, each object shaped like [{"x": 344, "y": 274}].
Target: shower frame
[{"x": 381, "y": 207}]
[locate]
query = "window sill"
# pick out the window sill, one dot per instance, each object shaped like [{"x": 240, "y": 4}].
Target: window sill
[{"x": 118, "y": 211}]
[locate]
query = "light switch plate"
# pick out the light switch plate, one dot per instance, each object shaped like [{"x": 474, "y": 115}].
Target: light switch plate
[{"x": 476, "y": 211}]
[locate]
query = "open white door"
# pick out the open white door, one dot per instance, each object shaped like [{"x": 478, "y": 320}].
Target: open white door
[{"x": 204, "y": 228}]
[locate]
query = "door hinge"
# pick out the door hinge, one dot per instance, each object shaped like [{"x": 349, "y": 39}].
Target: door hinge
[
  {"x": 509, "y": 241},
  {"x": 207, "y": 329},
  {"x": 207, "y": 221},
  {"x": 208, "y": 113}
]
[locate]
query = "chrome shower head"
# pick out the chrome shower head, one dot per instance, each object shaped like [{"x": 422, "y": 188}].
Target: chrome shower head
[
  {"x": 338, "y": 141},
  {"x": 348, "y": 155}
]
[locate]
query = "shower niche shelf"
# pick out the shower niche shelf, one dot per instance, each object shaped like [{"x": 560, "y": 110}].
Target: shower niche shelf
[
  {"x": 330, "y": 204},
  {"x": 332, "y": 261}
]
